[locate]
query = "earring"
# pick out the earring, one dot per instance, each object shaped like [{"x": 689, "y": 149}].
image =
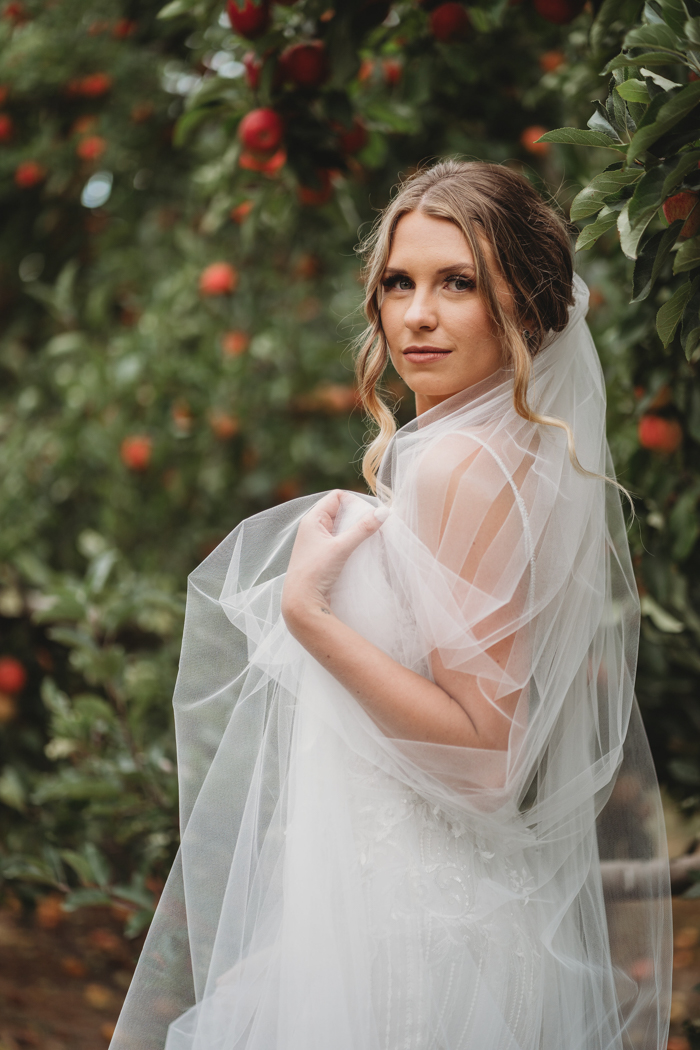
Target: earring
[{"x": 526, "y": 333}]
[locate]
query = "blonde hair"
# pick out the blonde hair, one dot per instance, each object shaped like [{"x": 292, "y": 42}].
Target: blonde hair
[{"x": 531, "y": 247}]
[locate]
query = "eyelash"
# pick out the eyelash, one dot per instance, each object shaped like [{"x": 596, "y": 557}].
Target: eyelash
[{"x": 392, "y": 282}]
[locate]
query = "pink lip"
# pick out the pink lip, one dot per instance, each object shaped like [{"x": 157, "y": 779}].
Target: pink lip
[{"x": 425, "y": 354}]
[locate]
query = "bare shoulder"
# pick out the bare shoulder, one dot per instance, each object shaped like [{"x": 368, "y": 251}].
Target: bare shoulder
[{"x": 483, "y": 458}]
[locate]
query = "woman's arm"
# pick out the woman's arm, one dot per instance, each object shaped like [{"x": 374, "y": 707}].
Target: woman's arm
[{"x": 402, "y": 703}]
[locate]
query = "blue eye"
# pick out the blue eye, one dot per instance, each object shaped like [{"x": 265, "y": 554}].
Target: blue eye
[
  {"x": 399, "y": 281},
  {"x": 460, "y": 282}
]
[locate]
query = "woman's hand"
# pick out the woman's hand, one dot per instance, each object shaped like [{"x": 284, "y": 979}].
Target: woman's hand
[{"x": 317, "y": 559}]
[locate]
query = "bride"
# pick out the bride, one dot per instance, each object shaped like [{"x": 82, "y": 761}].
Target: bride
[{"x": 417, "y": 805}]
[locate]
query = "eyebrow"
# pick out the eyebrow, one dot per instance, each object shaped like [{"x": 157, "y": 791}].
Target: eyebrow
[{"x": 453, "y": 268}]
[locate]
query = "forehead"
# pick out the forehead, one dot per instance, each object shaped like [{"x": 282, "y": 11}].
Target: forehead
[{"x": 427, "y": 241}]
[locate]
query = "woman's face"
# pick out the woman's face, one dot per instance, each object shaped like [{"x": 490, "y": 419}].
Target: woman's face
[{"x": 441, "y": 338}]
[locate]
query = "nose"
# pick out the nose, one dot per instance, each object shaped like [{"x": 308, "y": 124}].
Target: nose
[{"x": 421, "y": 314}]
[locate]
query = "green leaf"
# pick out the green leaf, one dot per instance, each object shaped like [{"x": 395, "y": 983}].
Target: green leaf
[
  {"x": 85, "y": 898},
  {"x": 580, "y": 137},
  {"x": 663, "y": 82},
  {"x": 80, "y": 864},
  {"x": 685, "y": 771},
  {"x": 669, "y": 316},
  {"x": 134, "y": 894},
  {"x": 690, "y": 328},
  {"x": 590, "y": 234},
  {"x": 657, "y": 35},
  {"x": 175, "y": 8},
  {"x": 137, "y": 922},
  {"x": 647, "y": 197},
  {"x": 100, "y": 569},
  {"x": 12, "y": 790},
  {"x": 188, "y": 122},
  {"x": 631, "y": 235},
  {"x": 651, "y": 258},
  {"x": 612, "y": 11},
  {"x": 661, "y": 619},
  {"x": 675, "y": 15},
  {"x": 633, "y": 91},
  {"x": 692, "y": 30},
  {"x": 687, "y": 162},
  {"x": 27, "y": 869},
  {"x": 593, "y": 196},
  {"x": 684, "y": 523},
  {"x": 650, "y": 58},
  {"x": 673, "y": 110},
  {"x": 687, "y": 256},
  {"x": 693, "y": 418},
  {"x": 600, "y": 120}
]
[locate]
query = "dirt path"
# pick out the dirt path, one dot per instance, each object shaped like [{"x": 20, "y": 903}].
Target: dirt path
[{"x": 63, "y": 977}]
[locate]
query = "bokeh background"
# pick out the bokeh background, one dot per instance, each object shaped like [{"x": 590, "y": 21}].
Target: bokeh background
[{"x": 181, "y": 190}]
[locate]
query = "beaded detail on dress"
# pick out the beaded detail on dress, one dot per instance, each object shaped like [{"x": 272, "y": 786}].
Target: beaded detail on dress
[{"x": 440, "y": 947}]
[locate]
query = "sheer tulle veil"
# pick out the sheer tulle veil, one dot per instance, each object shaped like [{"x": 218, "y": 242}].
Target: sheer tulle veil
[{"x": 339, "y": 890}]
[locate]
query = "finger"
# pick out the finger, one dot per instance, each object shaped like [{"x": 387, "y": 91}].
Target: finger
[
  {"x": 322, "y": 513},
  {"x": 360, "y": 531},
  {"x": 329, "y": 506}
]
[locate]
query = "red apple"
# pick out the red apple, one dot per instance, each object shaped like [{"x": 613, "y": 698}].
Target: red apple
[
  {"x": 307, "y": 266},
  {"x": 6, "y": 127},
  {"x": 247, "y": 19},
  {"x": 141, "y": 112},
  {"x": 13, "y": 676},
  {"x": 219, "y": 278},
  {"x": 263, "y": 162},
  {"x": 551, "y": 60},
  {"x": 241, "y": 211},
  {"x": 683, "y": 205},
  {"x": 352, "y": 140},
  {"x": 91, "y": 148},
  {"x": 393, "y": 71},
  {"x": 305, "y": 64},
  {"x": 337, "y": 398},
  {"x": 123, "y": 28},
  {"x": 261, "y": 130},
  {"x": 366, "y": 70},
  {"x": 289, "y": 489},
  {"x": 83, "y": 125},
  {"x": 94, "y": 85},
  {"x": 224, "y": 425},
  {"x": 659, "y": 434},
  {"x": 449, "y": 22},
  {"x": 529, "y": 137},
  {"x": 253, "y": 68},
  {"x": 316, "y": 196},
  {"x": 135, "y": 451},
  {"x": 29, "y": 173},
  {"x": 560, "y": 12},
  {"x": 8, "y": 708},
  {"x": 235, "y": 342},
  {"x": 15, "y": 12}
]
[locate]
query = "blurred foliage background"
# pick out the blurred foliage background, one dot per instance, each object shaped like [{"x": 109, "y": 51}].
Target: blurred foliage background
[{"x": 181, "y": 191}]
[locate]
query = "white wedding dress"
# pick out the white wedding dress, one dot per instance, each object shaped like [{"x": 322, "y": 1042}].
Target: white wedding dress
[{"x": 339, "y": 890}]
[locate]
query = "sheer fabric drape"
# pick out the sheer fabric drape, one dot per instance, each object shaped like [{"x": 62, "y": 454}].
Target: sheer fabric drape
[{"x": 339, "y": 890}]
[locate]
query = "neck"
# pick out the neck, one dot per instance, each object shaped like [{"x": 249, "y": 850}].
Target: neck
[{"x": 425, "y": 402}]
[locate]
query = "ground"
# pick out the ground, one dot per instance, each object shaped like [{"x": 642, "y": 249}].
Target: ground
[{"x": 63, "y": 977}]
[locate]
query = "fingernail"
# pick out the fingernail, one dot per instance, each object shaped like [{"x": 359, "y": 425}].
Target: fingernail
[{"x": 382, "y": 513}]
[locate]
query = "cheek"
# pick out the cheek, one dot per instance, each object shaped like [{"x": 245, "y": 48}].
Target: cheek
[{"x": 468, "y": 321}]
